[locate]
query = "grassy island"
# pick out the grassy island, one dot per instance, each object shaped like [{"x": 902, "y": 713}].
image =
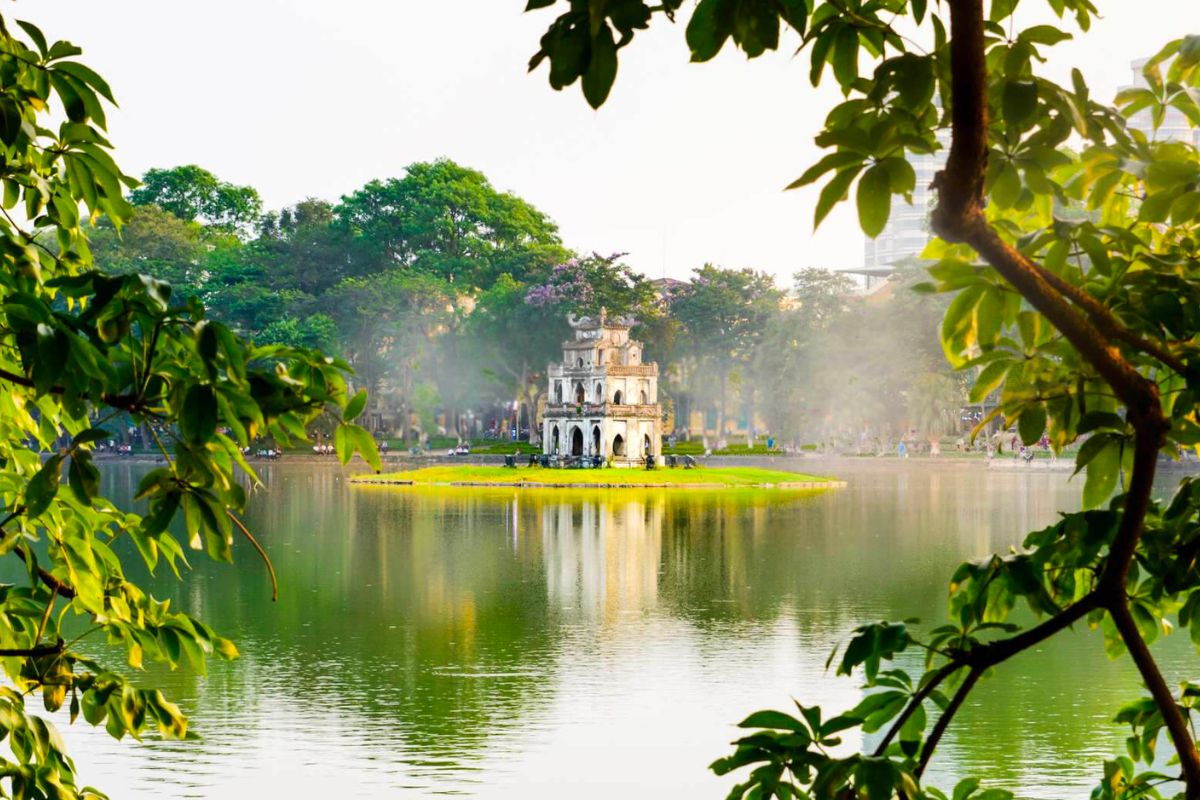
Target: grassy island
[{"x": 708, "y": 478}]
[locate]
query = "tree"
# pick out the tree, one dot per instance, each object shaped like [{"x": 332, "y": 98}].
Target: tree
[
  {"x": 723, "y": 314},
  {"x": 388, "y": 323},
  {"x": 196, "y": 195},
  {"x": 153, "y": 242},
  {"x": 81, "y": 347},
  {"x": 516, "y": 341},
  {"x": 788, "y": 363},
  {"x": 1084, "y": 321},
  {"x": 447, "y": 220},
  {"x": 935, "y": 404}
]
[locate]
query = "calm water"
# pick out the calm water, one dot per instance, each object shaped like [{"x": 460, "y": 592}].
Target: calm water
[{"x": 498, "y": 644}]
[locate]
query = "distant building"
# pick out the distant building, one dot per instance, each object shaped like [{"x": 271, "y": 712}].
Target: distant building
[
  {"x": 1175, "y": 126},
  {"x": 603, "y": 400}
]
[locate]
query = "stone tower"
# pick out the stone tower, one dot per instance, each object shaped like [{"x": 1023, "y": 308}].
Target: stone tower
[{"x": 603, "y": 399}]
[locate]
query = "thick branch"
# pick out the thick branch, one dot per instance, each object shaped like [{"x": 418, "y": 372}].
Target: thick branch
[
  {"x": 959, "y": 214},
  {"x": 1104, "y": 319}
]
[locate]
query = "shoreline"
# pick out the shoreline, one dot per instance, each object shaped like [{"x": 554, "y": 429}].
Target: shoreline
[{"x": 523, "y": 484}]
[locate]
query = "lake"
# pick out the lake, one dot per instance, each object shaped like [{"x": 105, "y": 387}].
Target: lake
[{"x": 599, "y": 643}]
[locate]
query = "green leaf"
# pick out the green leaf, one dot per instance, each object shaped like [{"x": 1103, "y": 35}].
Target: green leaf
[
  {"x": 989, "y": 380},
  {"x": 708, "y": 29},
  {"x": 1043, "y": 34},
  {"x": 773, "y": 719},
  {"x": 355, "y": 407},
  {"x": 874, "y": 200},
  {"x": 602, "y": 68},
  {"x": 845, "y": 55},
  {"x": 834, "y": 192},
  {"x": 1032, "y": 423},
  {"x": 831, "y": 161},
  {"x": 1018, "y": 102},
  {"x": 83, "y": 477},
  {"x": 43, "y": 486},
  {"x": 1103, "y": 469},
  {"x": 349, "y": 439},
  {"x": 198, "y": 417}
]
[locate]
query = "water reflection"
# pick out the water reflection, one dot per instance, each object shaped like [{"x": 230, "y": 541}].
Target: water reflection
[{"x": 505, "y": 644}]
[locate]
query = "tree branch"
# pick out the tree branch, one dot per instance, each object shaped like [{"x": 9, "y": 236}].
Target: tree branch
[
  {"x": 945, "y": 719},
  {"x": 61, "y": 588},
  {"x": 993, "y": 653},
  {"x": 34, "y": 652},
  {"x": 1176, "y": 725},
  {"x": 241, "y": 526},
  {"x": 917, "y": 699},
  {"x": 959, "y": 217},
  {"x": 125, "y": 402}
]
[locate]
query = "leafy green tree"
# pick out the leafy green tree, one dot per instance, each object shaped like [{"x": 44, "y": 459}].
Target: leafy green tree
[
  {"x": 80, "y": 348},
  {"x": 935, "y": 404},
  {"x": 388, "y": 323},
  {"x": 194, "y": 194},
  {"x": 723, "y": 315},
  {"x": 1085, "y": 322},
  {"x": 447, "y": 220},
  {"x": 153, "y": 242},
  {"x": 301, "y": 249},
  {"x": 516, "y": 339}
]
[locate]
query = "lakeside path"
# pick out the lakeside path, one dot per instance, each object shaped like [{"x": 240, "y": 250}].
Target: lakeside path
[{"x": 537, "y": 477}]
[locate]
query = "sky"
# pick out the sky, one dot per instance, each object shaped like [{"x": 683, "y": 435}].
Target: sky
[{"x": 684, "y": 165}]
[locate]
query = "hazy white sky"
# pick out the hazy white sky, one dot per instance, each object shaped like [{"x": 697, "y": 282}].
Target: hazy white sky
[{"x": 683, "y": 165}]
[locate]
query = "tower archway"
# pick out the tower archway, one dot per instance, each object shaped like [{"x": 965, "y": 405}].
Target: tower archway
[
  {"x": 596, "y": 447},
  {"x": 554, "y": 443},
  {"x": 576, "y": 441},
  {"x": 618, "y": 445}
]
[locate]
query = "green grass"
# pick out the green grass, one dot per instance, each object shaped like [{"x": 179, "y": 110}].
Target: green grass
[{"x": 719, "y": 476}]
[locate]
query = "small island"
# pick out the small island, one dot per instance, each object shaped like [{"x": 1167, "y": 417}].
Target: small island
[{"x": 605, "y": 477}]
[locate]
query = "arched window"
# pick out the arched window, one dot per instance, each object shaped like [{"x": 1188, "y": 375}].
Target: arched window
[
  {"x": 618, "y": 397},
  {"x": 596, "y": 441},
  {"x": 576, "y": 441},
  {"x": 645, "y": 398},
  {"x": 579, "y": 362},
  {"x": 554, "y": 440},
  {"x": 558, "y": 387},
  {"x": 579, "y": 398},
  {"x": 646, "y": 446},
  {"x": 618, "y": 445},
  {"x": 599, "y": 392}
]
